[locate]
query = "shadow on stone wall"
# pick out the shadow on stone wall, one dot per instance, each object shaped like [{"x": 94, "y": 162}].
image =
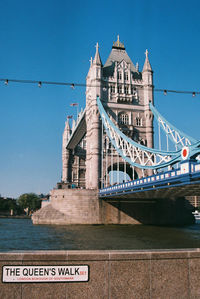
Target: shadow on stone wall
[{"x": 165, "y": 211}]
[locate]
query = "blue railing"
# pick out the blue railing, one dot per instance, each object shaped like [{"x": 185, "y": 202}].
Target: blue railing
[{"x": 188, "y": 173}]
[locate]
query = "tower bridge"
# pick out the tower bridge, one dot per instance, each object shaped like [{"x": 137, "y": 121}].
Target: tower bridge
[{"x": 112, "y": 140}]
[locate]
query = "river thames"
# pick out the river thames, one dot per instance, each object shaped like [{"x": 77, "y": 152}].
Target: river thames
[{"x": 21, "y": 234}]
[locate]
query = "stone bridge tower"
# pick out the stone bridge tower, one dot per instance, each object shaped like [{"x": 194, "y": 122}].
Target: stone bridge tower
[{"x": 126, "y": 93}]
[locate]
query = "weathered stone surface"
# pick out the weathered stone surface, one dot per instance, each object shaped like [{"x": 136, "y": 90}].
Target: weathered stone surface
[
  {"x": 130, "y": 278},
  {"x": 113, "y": 274},
  {"x": 48, "y": 215},
  {"x": 169, "y": 279},
  {"x": 80, "y": 206}
]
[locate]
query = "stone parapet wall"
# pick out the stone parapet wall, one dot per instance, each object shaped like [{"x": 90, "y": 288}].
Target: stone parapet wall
[{"x": 152, "y": 274}]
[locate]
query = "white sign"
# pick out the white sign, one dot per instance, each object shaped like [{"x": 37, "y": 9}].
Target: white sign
[{"x": 67, "y": 273}]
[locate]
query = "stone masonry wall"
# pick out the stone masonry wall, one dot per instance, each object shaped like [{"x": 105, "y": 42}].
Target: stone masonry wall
[
  {"x": 80, "y": 206},
  {"x": 166, "y": 274}
]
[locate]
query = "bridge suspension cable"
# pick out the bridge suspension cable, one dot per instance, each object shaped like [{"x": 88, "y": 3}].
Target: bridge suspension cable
[
  {"x": 138, "y": 155},
  {"x": 178, "y": 137}
]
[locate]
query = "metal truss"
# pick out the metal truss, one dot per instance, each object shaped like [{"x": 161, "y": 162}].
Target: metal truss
[
  {"x": 179, "y": 138},
  {"x": 138, "y": 155}
]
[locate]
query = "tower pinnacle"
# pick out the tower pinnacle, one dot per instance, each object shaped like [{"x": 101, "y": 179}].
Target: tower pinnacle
[
  {"x": 147, "y": 65},
  {"x": 97, "y": 59},
  {"x": 118, "y": 44}
]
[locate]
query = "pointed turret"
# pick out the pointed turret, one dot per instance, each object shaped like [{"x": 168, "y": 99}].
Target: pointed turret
[
  {"x": 67, "y": 131},
  {"x": 94, "y": 89},
  {"x": 147, "y": 72},
  {"x": 65, "y": 151},
  {"x": 73, "y": 125},
  {"x": 97, "y": 59},
  {"x": 147, "y": 76},
  {"x": 147, "y": 65}
]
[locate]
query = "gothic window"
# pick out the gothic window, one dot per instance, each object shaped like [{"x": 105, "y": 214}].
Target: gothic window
[
  {"x": 126, "y": 76},
  {"x": 138, "y": 122},
  {"x": 123, "y": 118},
  {"x": 82, "y": 174},
  {"x": 112, "y": 88},
  {"x": 126, "y": 89},
  {"x": 119, "y": 75},
  {"x": 119, "y": 88},
  {"x": 133, "y": 89}
]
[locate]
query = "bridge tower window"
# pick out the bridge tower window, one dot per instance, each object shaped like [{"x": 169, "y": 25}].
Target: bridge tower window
[
  {"x": 112, "y": 88},
  {"x": 133, "y": 89},
  {"x": 119, "y": 88},
  {"x": 138, "y": 122},
  {"x": 123, "y": 118},
  {"x": 126, "y": 89},
  {"x": 119, "y": 75},
  {"x": 126, "y": 76}
]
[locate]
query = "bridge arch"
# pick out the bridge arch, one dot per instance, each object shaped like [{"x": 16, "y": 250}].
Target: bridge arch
[{"x": 119, "y": 172}]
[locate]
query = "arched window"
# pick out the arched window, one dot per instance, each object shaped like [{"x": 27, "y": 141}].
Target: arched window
[
  {"x": 119, "y": 88},
  {"x": 123, "y": 118},
  {"x": 138, "y": 121},
  {"x": 112, "y": 88},
  {"x": 126, "y": 76},
  {"x": 126, "y": 89},
  {"x": 119, "y": 75}
]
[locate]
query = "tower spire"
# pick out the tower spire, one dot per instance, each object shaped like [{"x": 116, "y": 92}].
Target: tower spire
[
  {"x": 118, "y": 44},
  {"x": 147, "y": 65},
  {"x": 67, "y": 131},
  {"x": 97, "y": 59}
]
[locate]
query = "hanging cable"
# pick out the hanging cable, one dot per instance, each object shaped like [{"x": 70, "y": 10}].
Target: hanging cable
[
  {"x": 117, "y": 168},
  {"x": 106, "y": 85},
  {"x": 159, "y": 136},
  {"x": 111, "y": 165}
]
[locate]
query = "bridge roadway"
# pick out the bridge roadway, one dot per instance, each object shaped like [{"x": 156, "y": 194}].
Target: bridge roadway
[{"x": 181, "y": 182}]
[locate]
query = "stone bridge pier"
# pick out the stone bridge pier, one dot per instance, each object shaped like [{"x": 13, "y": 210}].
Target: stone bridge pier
[{"x": 83, "y": 206}]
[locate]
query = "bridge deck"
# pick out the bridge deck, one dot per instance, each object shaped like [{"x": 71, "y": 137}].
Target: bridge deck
[{"x": 174, "y": 183}]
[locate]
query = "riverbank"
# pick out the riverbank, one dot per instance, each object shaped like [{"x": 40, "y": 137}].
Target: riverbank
[{"x": 15, "y": 216}]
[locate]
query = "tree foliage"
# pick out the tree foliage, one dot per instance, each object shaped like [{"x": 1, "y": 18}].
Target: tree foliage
[
  {"x": 29, "y": 202},
  {"x": 8, "y": 204}
]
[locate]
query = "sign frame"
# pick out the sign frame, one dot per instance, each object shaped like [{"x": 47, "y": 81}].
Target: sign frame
[{"x": 52, "y": 279}]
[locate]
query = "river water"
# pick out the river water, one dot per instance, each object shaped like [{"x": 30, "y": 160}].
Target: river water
[{"x": 21, "y": 234}]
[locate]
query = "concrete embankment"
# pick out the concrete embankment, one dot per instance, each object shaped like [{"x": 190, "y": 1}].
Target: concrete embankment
[{"x": 110, "y": 274}]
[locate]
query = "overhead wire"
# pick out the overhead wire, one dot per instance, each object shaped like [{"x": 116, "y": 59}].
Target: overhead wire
[{"x": 106, "y": 86}]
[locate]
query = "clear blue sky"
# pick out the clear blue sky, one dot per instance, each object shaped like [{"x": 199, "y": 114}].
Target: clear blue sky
[{"x": 53, "y": 41}]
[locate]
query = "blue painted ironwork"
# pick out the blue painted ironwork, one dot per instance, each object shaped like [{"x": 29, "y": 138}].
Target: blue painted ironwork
[
  {"x": 188, "y": 173},
  {"x": 138, "y": 155},
  {"x": 178, "y": 137}
]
